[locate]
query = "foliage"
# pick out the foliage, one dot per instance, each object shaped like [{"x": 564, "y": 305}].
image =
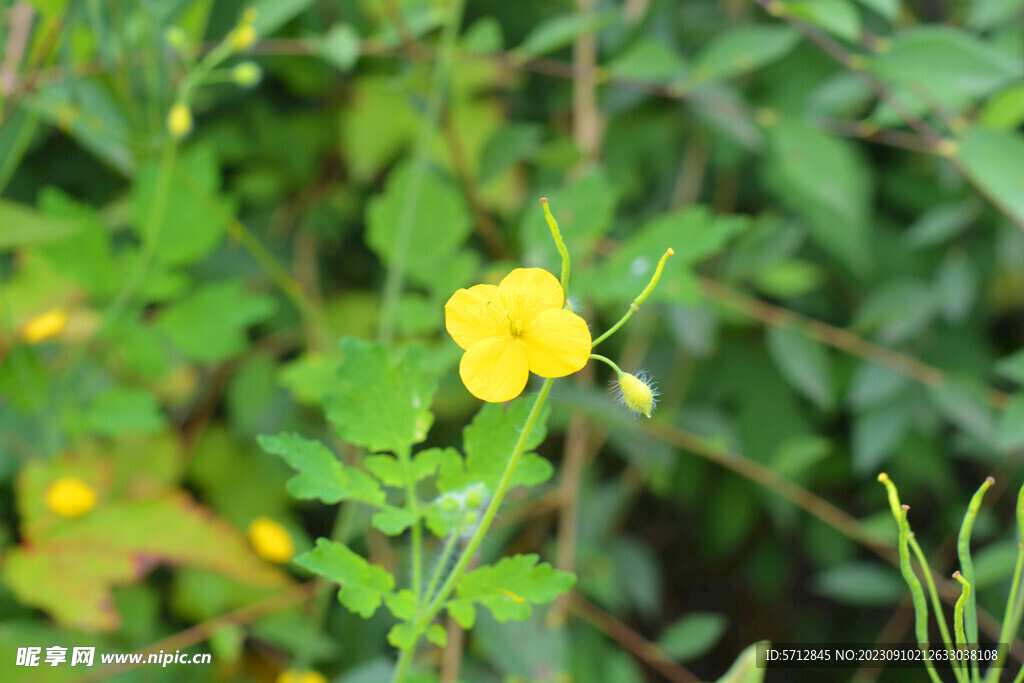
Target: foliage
[{"x": 226, "y": 242}]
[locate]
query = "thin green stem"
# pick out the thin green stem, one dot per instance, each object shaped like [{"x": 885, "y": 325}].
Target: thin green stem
[
  {"x": 563, "y": 251},
  {"x": 639, "y": 301},
  {"x": 963, "y": 551},
  {"x": 435, "y": 605},
  {"x": 958, "y": 611},
  {"x": 940, "y": 618},
  {"x": 442, "y": 562},
  {"x": 608, "y": 362},
  {"x": 412, "y": 504},
  {"x": 395, "y": 277},
  {"x": 1020, "y": 676}
]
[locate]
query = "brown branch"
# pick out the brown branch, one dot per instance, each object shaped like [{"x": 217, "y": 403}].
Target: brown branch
[{"x": 646, "y": 651}]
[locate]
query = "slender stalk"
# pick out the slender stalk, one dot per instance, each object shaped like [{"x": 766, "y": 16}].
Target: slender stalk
[
  {"x": 639, "y": 301},
  {"x": 395, "y": 277},
  {"x": 957, "y": 666},
  {"x": 609, "y": 362},
  {"x": 412, "y": 504},
  {"x": 424, "y": 617},
  {"x": 442, "y": 562},
  {"x": 563, "y": 251},
  {"x": 963, "y": 551},
  {"x": 958, "y": 611}
]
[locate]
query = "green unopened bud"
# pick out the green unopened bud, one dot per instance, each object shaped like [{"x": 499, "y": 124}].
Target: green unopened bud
[
  {"x": 247, "y": 74},
  {"x": 176, "y": 38},
  {"x": 475, "y": 498},
  {"x": 242, "y": 38},
  {"x": 470, "y": 518},
  {"x": 636, "y": 393},
  {"x": 450, "y": 503}
]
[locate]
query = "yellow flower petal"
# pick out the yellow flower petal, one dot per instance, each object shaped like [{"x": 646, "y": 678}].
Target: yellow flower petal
[
  {"x": 495, "y": 369},
  {"x": 472, "y": 314},
  {"x": 537, "y": 284},
  {"x": 557, "y": 343}
]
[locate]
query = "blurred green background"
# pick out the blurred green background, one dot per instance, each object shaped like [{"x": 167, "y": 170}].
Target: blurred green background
[{"x": 842, "y": 182}]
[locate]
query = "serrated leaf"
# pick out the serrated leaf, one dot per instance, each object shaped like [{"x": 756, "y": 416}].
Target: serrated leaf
[
  {"x": 508, "y": 588},
  {"x": 402, "y": 604},
  {"x": 388, "y": 469},
  {"x": 1010, "y": 430},
  {"x": 363, "y": 585},
  {"x": 209, "y": 325},
  {"x": 741, "y": 49},
  {"x": 403, "y": 636},
  {"x": 560, "y": 31},
  {"x": 393, "y": 520},
  {"x": 382, "y": 403},
  {"x": 693, "y": 635},
  {"x": 804, "y": 363},
  {"x": 489, "y": 441},
  {"x": 321, "y": 475}
]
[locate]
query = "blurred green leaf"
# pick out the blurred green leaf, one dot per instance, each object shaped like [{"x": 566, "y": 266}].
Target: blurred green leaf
[
  {"x": 648, "y": 60},
  {"x": 837, "y": 17},
  {"x": 363, "y": 585},
  {"x": 941, "y": 223},
  {"x": 1010, "y": 428},
  {"x": 22, "y": 225},
  {"x": 877, "y": 431},
  {"x": 209, "y": 325},
  {"x": 382, "y": 402},
  {"x": 123, "y": 410},
  {"x": 740, "y": 49},
  {"x": 964, "y": 402},
  {"x": 339, "y": 47},
  {"x": 561, "y": 30},
  {"x": 989, "y": 14},
  {"x": 865, "y": 584},
  {"x": 804, "y": 363},
  {"x": 995, "y": 162},
  {"x": 693, "y": 635},
  {"x": 890, "y": 9},
  {"x": 1004, "y": 111},
  {"x": 745, "y": 669},
  {"x": 872, "y": 384},
  {"x": 508, "y": 589},
  {"x": 1012, "y": 367}
]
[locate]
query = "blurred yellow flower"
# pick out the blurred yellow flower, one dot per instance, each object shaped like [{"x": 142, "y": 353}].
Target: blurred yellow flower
[
  {"x": 271, "y": 541},
  {"x": 293, "y": 676},
  {"x": 513, "y": 329},
  {"x": 179, "y": 120},
  {"x": 70, "y": 497},
  {"x": 243, "y": 37},
  {"x": 45, "y": 325}
]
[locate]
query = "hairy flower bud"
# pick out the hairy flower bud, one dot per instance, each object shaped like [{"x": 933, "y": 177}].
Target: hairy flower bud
[{"x": 636, "y": 393}]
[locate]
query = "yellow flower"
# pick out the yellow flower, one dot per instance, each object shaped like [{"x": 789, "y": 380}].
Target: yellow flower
[
  {"x": 70, "y": 497},
  {"x": 293, "y": 676},
  {"x": 45, "y": 325},
  {"x": 271, "y": 541},
  {"x": 179, "y": 120},
  {"x": 513, "y": 329},
  {"x": 242, "y": 37}
]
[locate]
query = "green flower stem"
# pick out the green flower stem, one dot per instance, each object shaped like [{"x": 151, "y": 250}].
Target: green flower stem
[
  {"x": 958, "y": 610},
  {"x": 442, "y": 562},
  {"x": 963, "y": 551},
  {"x": 957, "y": 666},
  {"x": 563, "y": 251},
  {"x": 1020, "y": 676},
  {"x": 424, "y": 617},
  {"x": 609, "y": 362},
  {"x": 916, "y": 592},
  {"x": 395, "y": 277},
  {"x": 639, "y": 301},
  {"x": 1015, "y": 601},
  {"x": 412, "y": 504}
]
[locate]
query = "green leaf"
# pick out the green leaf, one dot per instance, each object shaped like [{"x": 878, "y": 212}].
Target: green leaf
[
  {"x": 402, "y": 604},
  {"x": 789, "y": 278},
  {"x": 995, "y": 163},
  {"x": 994, "y": 564},
  {"x": 940, "y": 223},
  {"x": 944, "y": 65},
  {"x": 273, "y": 14},
  {"x": 383, "y": 402},
  {"x": 873, "y": 384},
  {"x": 1012, "y": 367},
  {"x": 876, "y": 433},
  {"x": 804, "y": 363},
  {"x": 745, "y": 668},
  {"x": 424, "y": 464},
  {"x": 648, "y": 59},
  {"x": 440, "y": 225},
  {"x": 208, "y": 326},
  {"x": 1010, "y": 430},
  {"x": 363, "y": 585},
  {"x": 890, "y": 9},
  {"x": 983, "y": 15},
  {"x": 964, "y": 403},
  {"x": 22, "y": 225},
  {"x": 393, "y": 520},
  {"x": 489, "y": 441},
  {"x": 825, "y": 180},
  {"x": 1004, "y": 111},
  {"x": 508, "y": 588},
  {"x": 339, "y": 47},
  {"x": 510, "y": 144},
  {"x": 799, "y": 453},
  {"x": 694, "y": 233},
  {"x": 123, "y": 410},
  {"x": 837, "y": 17},
  {"x": 403, "y": 636},
  {"x": 194, "y": 218},
  {"x": 560, "y": 31},
  {"x": 310, "y": 377},
  {"x": 741, "y": 49},
  {"x": 321, "y": 475},
  {"x": 693, "y": 635},
  {"x": 864, "y": 584}
]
